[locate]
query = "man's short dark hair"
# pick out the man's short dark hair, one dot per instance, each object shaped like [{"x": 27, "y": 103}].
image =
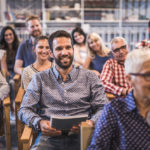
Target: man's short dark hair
[
  {"x": 59, "y": 33},
  {"x": 42, "y": 37}
]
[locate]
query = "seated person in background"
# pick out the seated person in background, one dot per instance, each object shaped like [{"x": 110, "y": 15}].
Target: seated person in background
[
  {"x": 4, "y": 87},
  {"x": 9, "y": 42},
  {"x": 113, "y": 75},
  {"x": 43, "y": 53},
  {"x": 25, "y": 54},
  {"x": 63, "y": 90},
  {"x": 80, "y": 50},
  {"x": 98, "y": 53},
  {"x": 125, "y": 122}
]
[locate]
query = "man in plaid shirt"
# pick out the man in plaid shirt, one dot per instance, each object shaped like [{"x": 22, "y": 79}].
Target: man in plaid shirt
[{"x": 113, "y": 75}]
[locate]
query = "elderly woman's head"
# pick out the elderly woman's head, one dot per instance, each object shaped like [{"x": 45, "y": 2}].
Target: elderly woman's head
[
  {"x": 137, "y": 68},
  {"x": 135, "y": 60}
]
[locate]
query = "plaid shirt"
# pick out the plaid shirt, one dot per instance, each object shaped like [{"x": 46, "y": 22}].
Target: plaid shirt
[
  {"x": 113, "y": 77},
  {"x": 145, "y": 43}
]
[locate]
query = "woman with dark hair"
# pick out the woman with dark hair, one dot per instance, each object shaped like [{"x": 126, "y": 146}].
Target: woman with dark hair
[
  {"x": 79, "y": 40},
  {"x": 9, "y": 43}
]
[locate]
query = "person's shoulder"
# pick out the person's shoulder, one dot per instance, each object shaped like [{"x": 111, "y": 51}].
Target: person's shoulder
[
  {"x": 118, "y": 104},
  {"x": 44, "y": 74},
  {"x": 25, "y": 42},
  {"x": 109, "y": 62},
  {"x": 27, "y": 68},
  {"x": 76, "y": 46},
  {"x": 88, "y": 73}
]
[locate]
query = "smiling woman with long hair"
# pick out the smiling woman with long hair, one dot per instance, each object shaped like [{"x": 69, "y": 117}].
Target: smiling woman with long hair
[
  {"x": 9, "y": 43},
  {"x": 80, "y": 50},
  {"x": 98, "y": 53}
]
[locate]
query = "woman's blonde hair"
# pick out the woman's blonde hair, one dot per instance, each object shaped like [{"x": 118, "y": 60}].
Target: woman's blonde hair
[{"x": 104, "y": 49}]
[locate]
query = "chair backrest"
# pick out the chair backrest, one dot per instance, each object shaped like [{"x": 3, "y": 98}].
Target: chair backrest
[
  {"x": 86, "y": 134},
  {"x": 19, "y": 125}
]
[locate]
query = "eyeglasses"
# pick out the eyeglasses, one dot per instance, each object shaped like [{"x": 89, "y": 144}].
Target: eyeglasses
[
  {"x": 146, "y": 76},
  {"x": 117, "y": 50}
]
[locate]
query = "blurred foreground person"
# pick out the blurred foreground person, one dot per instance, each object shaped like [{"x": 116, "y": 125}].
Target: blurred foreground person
[{"x": 125, "y": 122}]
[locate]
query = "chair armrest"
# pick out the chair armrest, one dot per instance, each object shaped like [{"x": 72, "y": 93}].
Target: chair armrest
[
  {"x": 6, "y": 101},
  {"x": 6, "y": 105},
  {"x": 86, "y": 134},
  {"x": 27, "y": 134},
  {"x": 17, "y": 77},
  {"x": 27, "y": 137},
  {"x": 20, "y": 95},
  {"x": 110, "y": 96}
]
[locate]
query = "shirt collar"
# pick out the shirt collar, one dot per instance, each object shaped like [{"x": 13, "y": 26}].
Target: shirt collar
[
  {"x": 130, "y": 102},
  {"x": 71, "y": 76},
  {"x": 30, "y": 40}
]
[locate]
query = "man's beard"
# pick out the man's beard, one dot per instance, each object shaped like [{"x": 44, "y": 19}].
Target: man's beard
[
  {"x": 58, "y": 62},
  {"x": 36, "y": 35}
]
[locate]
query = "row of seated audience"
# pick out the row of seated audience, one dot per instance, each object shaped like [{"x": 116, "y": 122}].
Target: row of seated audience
[{"x": 64, "y": 89}]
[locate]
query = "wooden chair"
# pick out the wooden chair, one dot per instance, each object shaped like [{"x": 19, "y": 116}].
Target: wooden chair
[
  {"x": 17, "y": 79},
  {"x": 6, "y": 124},
  {"x": 110, "y": 96},
  {"x": 86, "y": 133},
  {"x": 27, "y": 138},
  {"x": 19, "y": 125}
]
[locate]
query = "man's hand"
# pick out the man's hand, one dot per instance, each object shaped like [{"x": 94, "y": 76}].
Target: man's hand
[
  {"x": 124, "y": 92},
  {"x": 90, "y": 123},
  {"x": 75, "y": 129},
  {"x": 47, "y": 130}
]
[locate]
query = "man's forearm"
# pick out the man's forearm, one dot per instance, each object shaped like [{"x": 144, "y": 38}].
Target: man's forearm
[{"x": 18, "y": 70}]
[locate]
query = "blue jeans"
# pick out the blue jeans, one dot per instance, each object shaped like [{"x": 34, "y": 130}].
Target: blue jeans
[
  {"x": 11, "y": 83},
  {"x": 63, "y": 142}
]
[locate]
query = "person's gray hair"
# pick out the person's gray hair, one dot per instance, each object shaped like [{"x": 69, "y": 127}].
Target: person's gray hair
[
  {"x": 118, "y": 39},
  {"x": 135, "y": 60}
]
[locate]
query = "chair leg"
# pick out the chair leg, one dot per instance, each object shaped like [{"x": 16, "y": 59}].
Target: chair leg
[
  {"x": 19, "y": 126},
  {"x": 7, "y": 127},
  {"x": 1, "y": 120}
]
